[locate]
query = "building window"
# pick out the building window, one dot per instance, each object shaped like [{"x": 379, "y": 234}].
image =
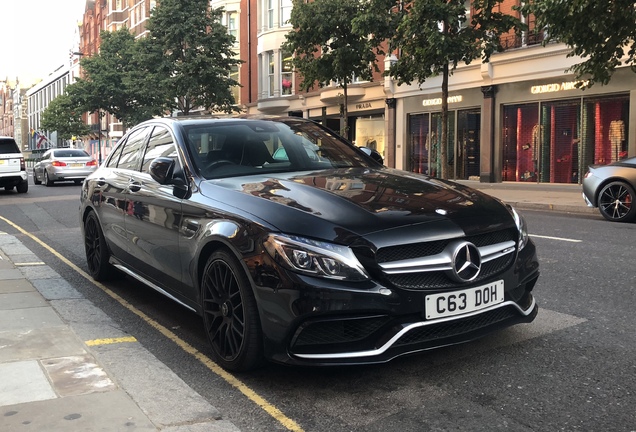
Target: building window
[
  {"x": 270, "y": 14},
  {"x": 232, "y": 24},
  {"x": 286, "y": 74},
  {"x": 270, "y": 72},
  {"x": 285, "y": 12}
]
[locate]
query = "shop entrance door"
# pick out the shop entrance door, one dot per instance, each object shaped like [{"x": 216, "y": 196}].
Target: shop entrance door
[{"x": 468, "y": 131}]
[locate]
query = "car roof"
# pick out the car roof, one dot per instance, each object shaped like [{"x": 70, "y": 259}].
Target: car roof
[{"x": 197, "y": 119}]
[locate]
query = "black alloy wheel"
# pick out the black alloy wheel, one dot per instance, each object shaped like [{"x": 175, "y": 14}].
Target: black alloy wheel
[
  {"x": 97, "y": 253},
  {"x": 230, "y": 315},
  {"x": 616, "y": 202}
]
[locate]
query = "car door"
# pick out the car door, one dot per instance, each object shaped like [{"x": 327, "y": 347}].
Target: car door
[
  {"x": 111, "y": 188},
  {"x": 153, "y": 217}
]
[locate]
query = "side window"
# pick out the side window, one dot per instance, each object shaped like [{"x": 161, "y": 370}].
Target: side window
[
  {"x": 131, "y": 153},
  {"x": 161, "y": 144},
  {"x": 113, "y": 158}
]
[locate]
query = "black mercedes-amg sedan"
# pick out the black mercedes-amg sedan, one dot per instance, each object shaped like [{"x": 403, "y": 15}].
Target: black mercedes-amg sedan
[{"x": 297, "y": 247}]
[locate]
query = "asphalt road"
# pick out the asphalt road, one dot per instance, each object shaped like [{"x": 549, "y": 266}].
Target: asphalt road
[{"x": 573, "y": 368}]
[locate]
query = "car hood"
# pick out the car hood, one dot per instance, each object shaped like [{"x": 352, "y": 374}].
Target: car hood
[{"x": 333, "y": 204}]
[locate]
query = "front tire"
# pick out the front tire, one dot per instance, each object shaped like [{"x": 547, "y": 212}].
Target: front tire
[
  {"x": 230, "y": 315},
  {"x": 97, "y": 253},
  {"x": 35, "y": 179},
  {"x": 616, "y": 202}
]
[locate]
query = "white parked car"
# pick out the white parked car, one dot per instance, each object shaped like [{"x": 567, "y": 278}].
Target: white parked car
[{"x": 12, "y": 168}]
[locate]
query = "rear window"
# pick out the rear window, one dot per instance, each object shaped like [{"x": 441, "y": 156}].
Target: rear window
[
  {"x": 8, "y": 145},
  {"x": 70, "y": 153}
]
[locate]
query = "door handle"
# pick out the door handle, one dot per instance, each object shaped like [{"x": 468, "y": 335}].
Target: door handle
[{"x": 134, "y": 186}]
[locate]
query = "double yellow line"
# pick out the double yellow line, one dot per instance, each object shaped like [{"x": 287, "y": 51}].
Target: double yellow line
[{"x": 228, "y": 377}]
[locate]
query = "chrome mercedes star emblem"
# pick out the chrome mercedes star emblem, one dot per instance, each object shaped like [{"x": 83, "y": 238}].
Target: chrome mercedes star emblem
[{"x": 466, "y": 262}]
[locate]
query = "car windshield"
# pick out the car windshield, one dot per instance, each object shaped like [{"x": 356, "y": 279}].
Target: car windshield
[
  {"x": 237, "y": 147},
  {"x": 69, "y": 153}
]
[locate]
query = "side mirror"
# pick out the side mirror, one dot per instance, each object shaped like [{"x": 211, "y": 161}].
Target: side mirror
[
  {"x": 162, "y": 171},
  {"x": 373, "y": 154}
]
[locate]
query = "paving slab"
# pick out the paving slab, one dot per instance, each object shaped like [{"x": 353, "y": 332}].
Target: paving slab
[
  {"x": 23, "y": 381},
  {"x": 56, "y": 289},
  {"x": 46, "y": 342},
  {"x": 97, "y": 412},
  {"x": 15, "y": 285},
  {"x": 21, "y": 300},
  {"x": 77, "y": 375},
  {"x": 28, "y": 319}
]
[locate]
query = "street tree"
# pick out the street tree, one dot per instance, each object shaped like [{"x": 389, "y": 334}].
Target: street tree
[
  {"x": 63, "y": 116},
  {"x": 432, "y": 37},
  {"x": 327, "y": 46},
  {"x": 190, "y": 55},
  {"x": 602, "y": 33},
  {"x": 110, "y": 82}
]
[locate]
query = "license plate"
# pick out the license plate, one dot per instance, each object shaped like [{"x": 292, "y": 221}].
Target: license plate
[
  {"x": 464, "y": 301},
  {"x": 77, "y": 165}
]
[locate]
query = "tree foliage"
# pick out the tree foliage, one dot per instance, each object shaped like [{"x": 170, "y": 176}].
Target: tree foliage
[
  {"x": 62, "y": 115},
  {"x": 327, "y": 46},
  {"x": 602, "y": 33},
  {"x": 111, "y": 81},
  {"x": 189, "y": 55},
  {"x": 432, "y": 37}
]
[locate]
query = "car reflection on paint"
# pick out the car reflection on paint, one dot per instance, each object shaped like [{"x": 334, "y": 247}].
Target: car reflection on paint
[
  {"x": 612, "y": 188},
  {"x": 297, "y": 247}
]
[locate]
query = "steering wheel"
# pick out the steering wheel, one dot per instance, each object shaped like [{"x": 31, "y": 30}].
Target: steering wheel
[{"x": 220, "y": 163}]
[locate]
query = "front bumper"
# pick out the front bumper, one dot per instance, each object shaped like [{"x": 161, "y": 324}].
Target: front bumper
[{"x": 331, "y": 324}]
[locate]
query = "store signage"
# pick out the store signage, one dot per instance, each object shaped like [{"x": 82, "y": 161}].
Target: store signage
[
  {"x": 363, "y": 105},
  {"x": 556, "y": 87},
  {"x": 438, "y": 101}
]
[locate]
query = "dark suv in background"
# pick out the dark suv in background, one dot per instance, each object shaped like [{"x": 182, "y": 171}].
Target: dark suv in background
[{"x": 12, "y": 167}]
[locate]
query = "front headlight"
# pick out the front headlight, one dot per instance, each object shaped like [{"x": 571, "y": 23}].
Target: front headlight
[
  {"x": 521, "y": 226},
  {"x": 315, "y": 258}
]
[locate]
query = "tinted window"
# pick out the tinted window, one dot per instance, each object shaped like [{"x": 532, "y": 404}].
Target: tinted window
[
  {"x": 70, "y": 153},
  {"x": 131, "y": 153},
  {"x": 8, "y": 145},
  {"x": 161, "y": 144},
  {"x": 113, "y": 157}
]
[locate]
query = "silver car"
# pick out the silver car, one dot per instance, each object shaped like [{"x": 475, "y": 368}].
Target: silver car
[{"x": 63, "y": 165}]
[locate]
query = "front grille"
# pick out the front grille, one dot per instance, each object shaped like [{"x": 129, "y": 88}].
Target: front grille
[
  {"x": 340, "y": 331},
  {"x": 458, "y": 327},
  {"x": 417, "y": 250},
  {"x": 439, "y": 279}
]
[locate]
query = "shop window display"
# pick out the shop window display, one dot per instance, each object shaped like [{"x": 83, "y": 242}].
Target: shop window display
[{"x": 556, "y": 141}]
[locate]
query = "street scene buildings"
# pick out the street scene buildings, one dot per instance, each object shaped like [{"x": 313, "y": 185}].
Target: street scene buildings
[{"x": 518, "y": 118}]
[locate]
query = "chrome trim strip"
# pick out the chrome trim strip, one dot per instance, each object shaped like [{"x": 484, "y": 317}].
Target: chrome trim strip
[
  {"x": 151, "y": 285},
  {"x": 389, "y": 344}
]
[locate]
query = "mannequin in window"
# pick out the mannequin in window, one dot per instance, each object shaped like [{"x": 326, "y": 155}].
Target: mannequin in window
[{"x": 616, "y": 137}]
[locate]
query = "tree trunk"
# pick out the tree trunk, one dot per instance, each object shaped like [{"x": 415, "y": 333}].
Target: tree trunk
[
  {"x": 344, "y": 114},
  {"x": 444, "y": 137}
]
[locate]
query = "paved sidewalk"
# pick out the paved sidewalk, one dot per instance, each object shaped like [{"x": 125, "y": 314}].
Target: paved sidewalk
[
  {"x": 59, "y": 371},
  {"x": 537, "y": 196}
]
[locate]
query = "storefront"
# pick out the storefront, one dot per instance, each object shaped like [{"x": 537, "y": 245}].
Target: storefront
[
  {"x": 559, "y": 130},
  {"x": 366, "y": 123},
  {"x": 422, "y": 150}
]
